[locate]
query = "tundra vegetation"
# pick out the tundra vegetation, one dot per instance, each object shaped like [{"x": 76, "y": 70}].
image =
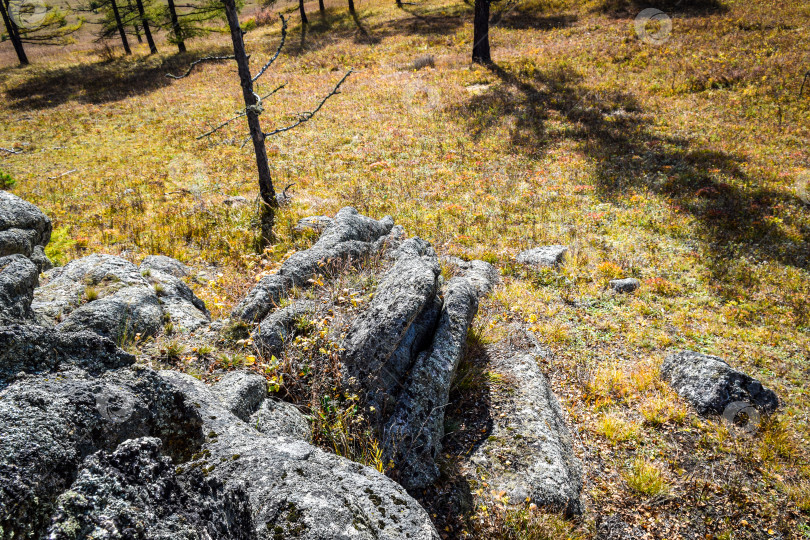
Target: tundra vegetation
[{"x": 685, "y": 165}]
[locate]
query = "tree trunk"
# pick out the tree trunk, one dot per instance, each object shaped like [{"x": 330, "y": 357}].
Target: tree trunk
[
  {"x": 321, "y": 6},
  {"x": 266, "y": 191},
  {"x": 145, "y": 24},
  {"x": 120, "y": 26},
  {"x": 304, "y": 19},
  {"x": 351, "y": 6},
  {"x": 481, "y": 54},
  {"x": 399, "y": 3},
  {"x": 13, "y": 35},
  {"x": 181, "y": 45},
  {"x": 135, "y": 25}
]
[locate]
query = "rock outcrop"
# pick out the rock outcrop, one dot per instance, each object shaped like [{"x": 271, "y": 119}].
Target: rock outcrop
[
  {"x": 116, "y": 299},
  {"x": 294, "y": 489},
  {"x": 529, "y": 453},
  {"x": 349, "y": 236},
  {"x": 710, "y": 384},
  {"x": 626, "y": 285},
  {"x": 24, "y": 230},
  {"x": 405, "y": 291}
]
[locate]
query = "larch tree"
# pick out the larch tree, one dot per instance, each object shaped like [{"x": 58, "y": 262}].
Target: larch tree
[
  {"x": 481, "y": 53},
  {"x": 186, "y": 21},
  {"x": 254, "y": 107},
  {"x": 27, "y": 22}
]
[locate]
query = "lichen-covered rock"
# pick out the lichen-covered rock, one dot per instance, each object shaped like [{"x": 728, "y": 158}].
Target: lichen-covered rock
[
  {"x": 180, "y": 305},
  {"x": 279, "y": 326},
  {"x": 122, "y": 316},
  {"x": 166, "y": 265},
  {"x": 125, "y": 300},
  {"x": 281, "y": 419},
  {"x": 626, "y": 285},
  {"x": 710, "y": 384},
  {"x": 349, "y": 236},
  {"x": 412, "y": 436},
  {"x": 403, "y": 293},
  {"x": 18, "y": 279},
  {"x": 296, "y": 490},
  {"x": 51, "y": 422},
  {"x": 543, "y": 256},
  {"x": 134, "y": 493},
  {"x": 65, "y": 287},
  {"x": 529, "y": 453},
  {"x": 241, "y": 392},
  {"x": 33, "y": 349},
  {"x": 24, "y": 229}
]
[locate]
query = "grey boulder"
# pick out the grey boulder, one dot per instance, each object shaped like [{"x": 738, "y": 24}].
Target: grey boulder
[
  {"x": 403, "y": 293},
  {"x": 51, "y": 422},
  {"x": 166, "y": 265},
  {"x": 126, "y": 302},
  {"x": 296, "y": 490},
  {"x": 543, "y": 256},
  {"x": 18, "y": 279},
  {"x": 178, "y": 302},
  {"x": 412, "y": 436},
  {"x": 529, "y": 453},
  {"x": 710, "y": 384},
  {"x": 29, "y": 349},
  {"x": 626, "y": 285},
  {"x": 134, "y": 493},
  {"x": 24, "y": 229},
  {"x": 279, "y": 326}
]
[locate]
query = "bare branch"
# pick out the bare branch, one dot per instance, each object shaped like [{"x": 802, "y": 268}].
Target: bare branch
[
  {"x": 206, "y": 59},
  {"x": 63, "y": 174},
  {"x": 307, "y": 116},
  {"x": 240, "y": 114},
  {"x": 801, "y": 91},
  {"x": 278, "y": 51},
  {"x": 10, "y": 151}
]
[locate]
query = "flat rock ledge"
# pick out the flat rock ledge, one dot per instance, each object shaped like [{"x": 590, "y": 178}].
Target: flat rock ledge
[
  {"x": 529, "y": 453},
  {"x": 710, "y": 384}
]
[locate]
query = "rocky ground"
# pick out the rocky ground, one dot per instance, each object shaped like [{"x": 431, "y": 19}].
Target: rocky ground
[{"x": 98, "y": 444}]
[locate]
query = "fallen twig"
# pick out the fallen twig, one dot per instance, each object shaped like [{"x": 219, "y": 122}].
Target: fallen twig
[
  {"x": 806, "y": 76},
  {"x": 63, "y": 174},
  {"x": 10, "y": 151}
]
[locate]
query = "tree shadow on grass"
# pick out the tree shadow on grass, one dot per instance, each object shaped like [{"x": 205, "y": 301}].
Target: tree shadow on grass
[
  {"x": 99, "y": 82},
  {"x": 682, "y": 8},
  {"x": 613, "y": 130}
]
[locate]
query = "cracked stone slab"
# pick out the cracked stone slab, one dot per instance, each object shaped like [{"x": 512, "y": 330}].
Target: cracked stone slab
[{"x": 529, "y": 453}]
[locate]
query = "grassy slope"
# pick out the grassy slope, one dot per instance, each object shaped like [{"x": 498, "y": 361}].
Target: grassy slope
[{"x": 681, "y": 165}]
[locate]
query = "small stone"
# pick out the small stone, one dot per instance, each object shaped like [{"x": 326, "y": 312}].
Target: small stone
[
  {"x": 710, "y": 384},
  {"x": 236, "y": 201},
  {"x": 626, "y": 285},
  {"x": 543, "y": 256}
]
